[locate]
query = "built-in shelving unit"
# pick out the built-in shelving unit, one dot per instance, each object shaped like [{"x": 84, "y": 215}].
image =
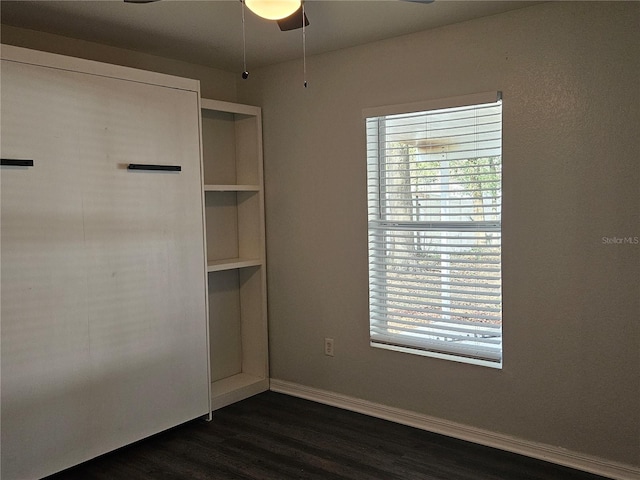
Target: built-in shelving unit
[{"x": 235, "y": 238}]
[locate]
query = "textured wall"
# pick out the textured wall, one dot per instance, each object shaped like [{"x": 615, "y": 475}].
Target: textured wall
[
  {"x": 214, "y": 83},
  {"x": 570, "y": 75}
]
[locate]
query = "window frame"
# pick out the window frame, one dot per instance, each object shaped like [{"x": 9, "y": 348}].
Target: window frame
[{"x": 470, "y": 226}]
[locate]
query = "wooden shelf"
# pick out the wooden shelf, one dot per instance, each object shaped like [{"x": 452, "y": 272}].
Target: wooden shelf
[
  {"x": 235, "y": 388},
  {"x": 229, "y": 107},
  {"x": 232, "y": 263},
  {"x": 232, "y": 188}
]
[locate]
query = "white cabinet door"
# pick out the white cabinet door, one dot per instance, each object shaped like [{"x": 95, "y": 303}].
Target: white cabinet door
[
  {"x": 144, "y": 241},
  {"x": 103, "y": 287},
  {"x": 44, "y": 314}
]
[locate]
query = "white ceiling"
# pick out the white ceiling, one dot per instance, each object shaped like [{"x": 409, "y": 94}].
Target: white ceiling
[{"x": 209, "y": 32}]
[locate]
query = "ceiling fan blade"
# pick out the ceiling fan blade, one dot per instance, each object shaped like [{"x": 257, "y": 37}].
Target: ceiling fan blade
[
  {"x": 418, "y": 1},
  {"x": 293, "y": 21},
  {"x": 140, "y": 1}
]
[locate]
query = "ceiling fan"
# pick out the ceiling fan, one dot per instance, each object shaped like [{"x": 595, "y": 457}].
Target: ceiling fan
[{"x": 288, "y": 14}]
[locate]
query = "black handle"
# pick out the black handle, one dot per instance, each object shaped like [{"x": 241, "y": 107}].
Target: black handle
[
  {"x": 164, "y": 168},
  {"x": 16, "y": 163}
]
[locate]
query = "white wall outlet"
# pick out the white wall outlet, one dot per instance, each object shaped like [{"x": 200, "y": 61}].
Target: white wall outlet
[{"x": 328, "y": 346}]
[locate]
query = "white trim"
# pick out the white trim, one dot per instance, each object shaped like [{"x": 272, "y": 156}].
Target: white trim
[
  {"x": 560, "y": 456},
  {"x": 444, "y": 356},
  {"x": 436, "y": 104}
]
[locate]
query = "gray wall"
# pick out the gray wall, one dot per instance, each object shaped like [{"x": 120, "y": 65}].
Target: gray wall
[
  {"x": 570, "y": 74},
  {"x": 214, "y": 83}
]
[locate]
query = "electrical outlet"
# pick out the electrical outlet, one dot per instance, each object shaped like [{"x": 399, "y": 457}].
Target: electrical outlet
[{"x": 328, "y": 346}]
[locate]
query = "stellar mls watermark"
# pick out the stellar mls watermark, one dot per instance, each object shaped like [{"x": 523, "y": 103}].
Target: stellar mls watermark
[{"x": 621, "y": 240}]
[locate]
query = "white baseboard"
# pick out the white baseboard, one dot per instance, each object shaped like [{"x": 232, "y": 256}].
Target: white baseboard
[{"x": 540, "y": 451}]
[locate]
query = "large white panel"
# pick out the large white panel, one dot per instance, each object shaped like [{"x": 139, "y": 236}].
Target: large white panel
[
  {"x": 103, "y": 293},
  {"x": 45, "y": 326}
]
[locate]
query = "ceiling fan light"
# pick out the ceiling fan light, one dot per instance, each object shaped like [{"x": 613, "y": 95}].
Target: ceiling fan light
[{"x": 273, "y": 9}]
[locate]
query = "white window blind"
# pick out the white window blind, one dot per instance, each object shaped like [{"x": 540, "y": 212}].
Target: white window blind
[{"x": 434, "y": 205}]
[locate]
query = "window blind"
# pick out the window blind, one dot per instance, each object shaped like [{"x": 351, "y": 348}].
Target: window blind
[{"x": 434, "y": 218}]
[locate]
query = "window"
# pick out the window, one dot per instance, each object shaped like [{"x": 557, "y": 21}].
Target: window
[{"x": 434, "y": 205}]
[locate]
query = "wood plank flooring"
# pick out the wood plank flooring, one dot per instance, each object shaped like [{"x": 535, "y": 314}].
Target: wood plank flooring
[{"x": 275, "y": 436}]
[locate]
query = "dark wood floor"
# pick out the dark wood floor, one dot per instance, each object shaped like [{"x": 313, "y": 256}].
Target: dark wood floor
[{"x": 275, "y": 436}]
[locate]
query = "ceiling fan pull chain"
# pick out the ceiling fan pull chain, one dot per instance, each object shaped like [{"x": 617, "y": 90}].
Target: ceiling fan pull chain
[
  {"x": 245, "y": 73},
  {"x": 304, "y": 47}
]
